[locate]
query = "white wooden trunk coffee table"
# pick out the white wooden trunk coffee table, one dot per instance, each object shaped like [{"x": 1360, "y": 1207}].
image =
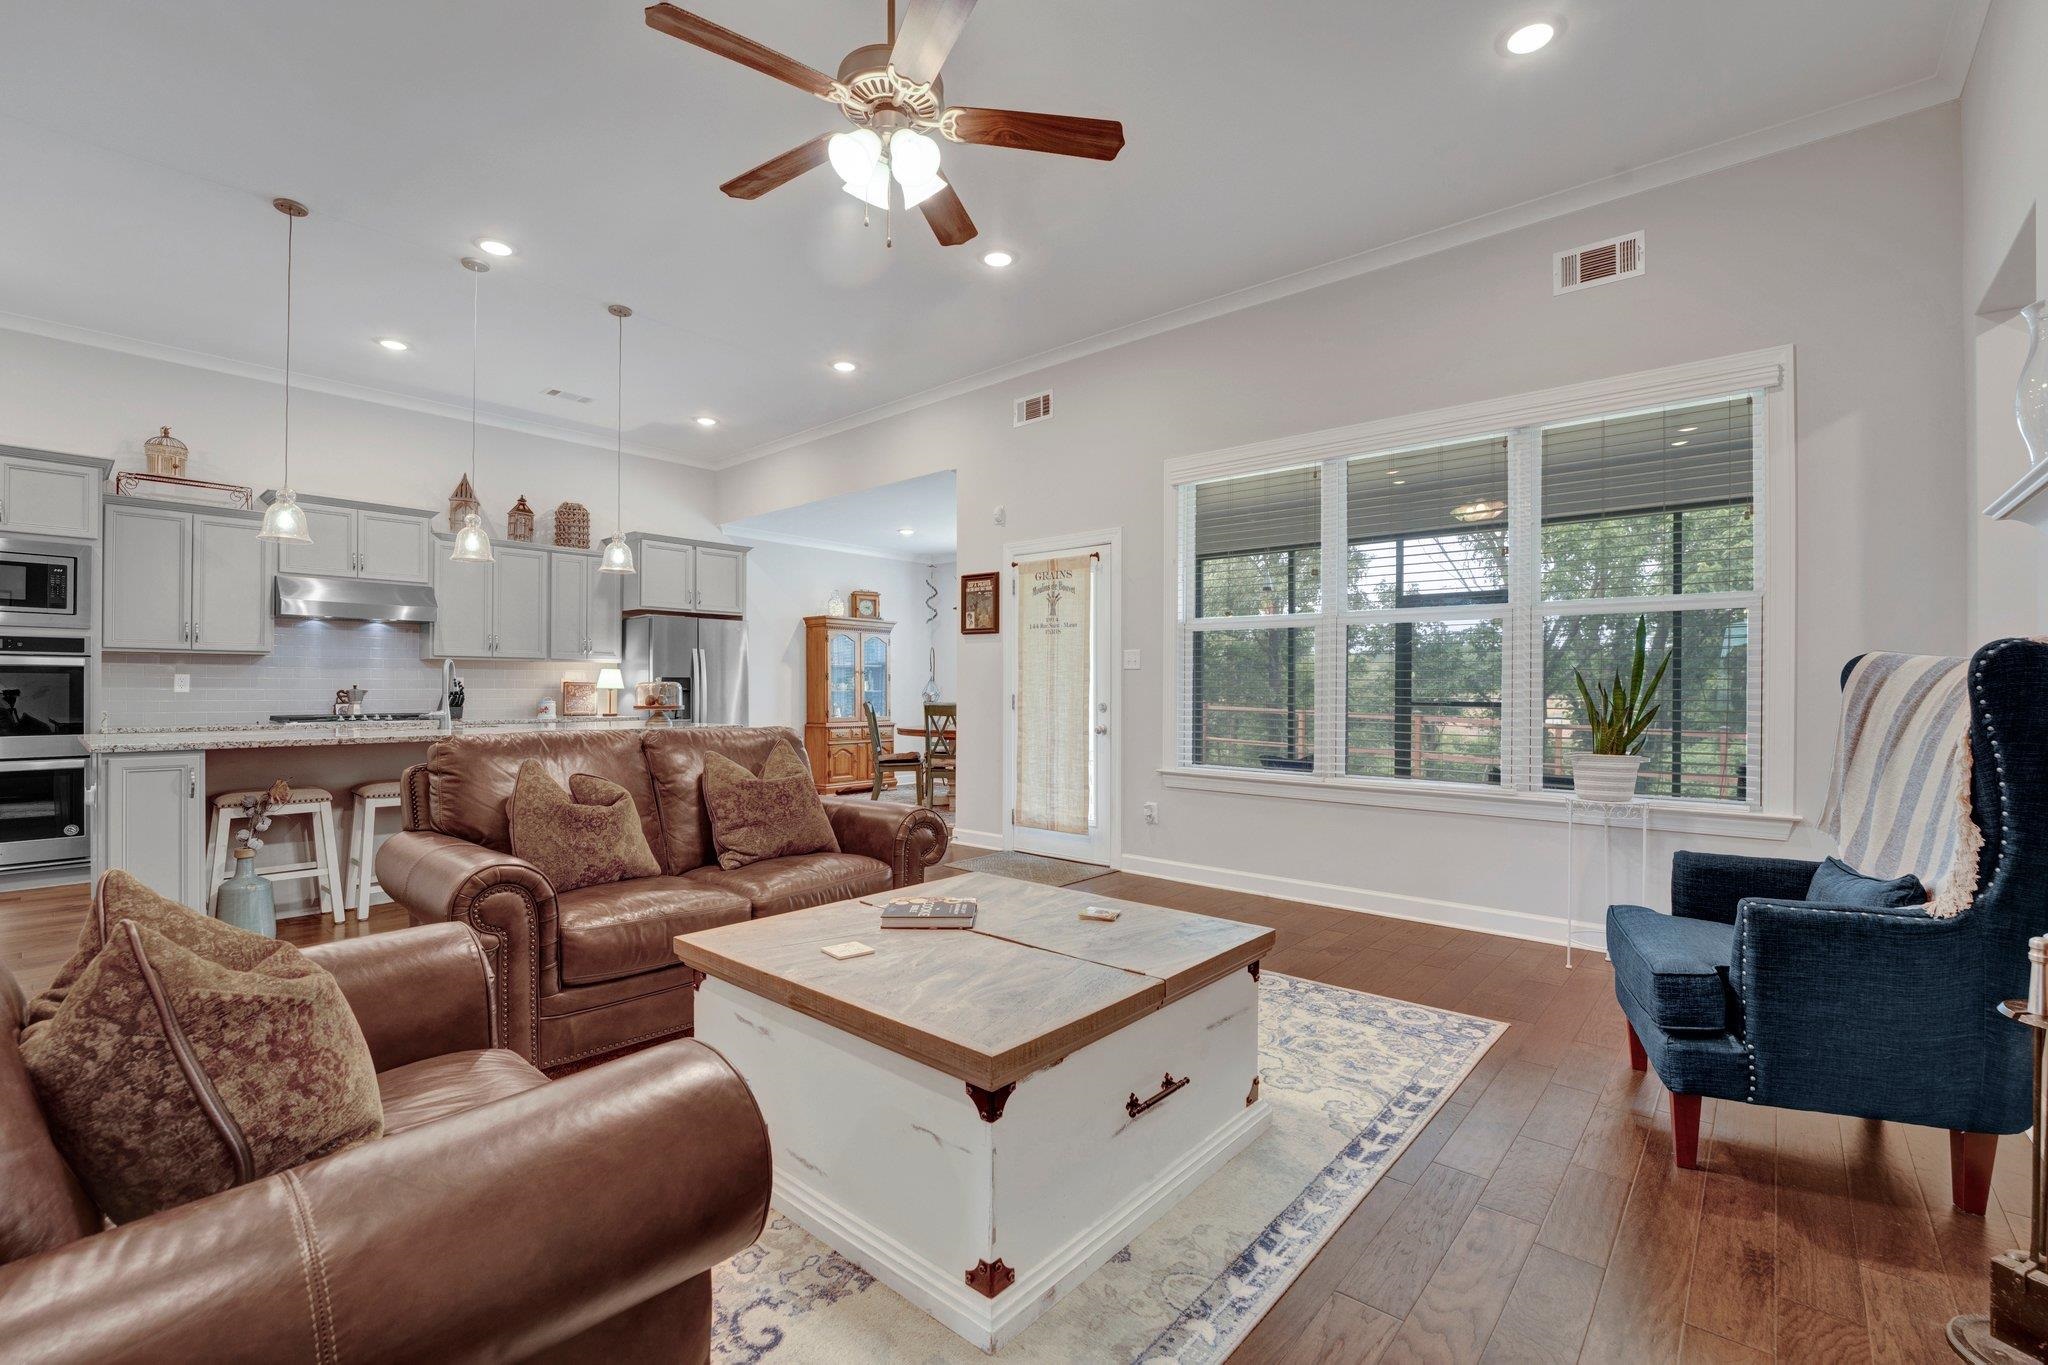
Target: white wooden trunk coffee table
[{"x": 980, "y": 1118}]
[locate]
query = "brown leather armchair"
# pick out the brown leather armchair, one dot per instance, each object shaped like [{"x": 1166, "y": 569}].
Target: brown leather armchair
[
  {"x": 503, "y": 1216},
  {"x": 590, "y": 971}
]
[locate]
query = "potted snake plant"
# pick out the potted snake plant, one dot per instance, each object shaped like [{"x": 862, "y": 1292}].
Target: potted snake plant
[{"x": 1618, "y": 714}]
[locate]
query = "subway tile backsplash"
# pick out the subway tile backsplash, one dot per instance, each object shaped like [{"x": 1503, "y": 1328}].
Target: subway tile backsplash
[{"x": 311, "y": 660}]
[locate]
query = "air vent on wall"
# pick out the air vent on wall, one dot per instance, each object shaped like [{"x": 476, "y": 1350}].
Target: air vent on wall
[
  {"x": 1036, "y": 408},
  {"x": 1601, "y": 263},
  {"x": 565, "y": 395}
]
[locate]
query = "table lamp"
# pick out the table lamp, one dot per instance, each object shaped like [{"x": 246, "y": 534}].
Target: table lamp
[{"x": 611, "y": 683}]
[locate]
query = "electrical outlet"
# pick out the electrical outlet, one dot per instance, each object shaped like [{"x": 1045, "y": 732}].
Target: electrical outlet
[
  {"x": 1131, "y": 659},
  {"x": 1151, "y": 812},
  {"x": 181, "y": 682}
]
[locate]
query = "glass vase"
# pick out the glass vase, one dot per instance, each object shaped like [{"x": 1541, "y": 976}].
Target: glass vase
[
  {"x": 245, "y": 900},
  {"x": 2030, "y": 403}
]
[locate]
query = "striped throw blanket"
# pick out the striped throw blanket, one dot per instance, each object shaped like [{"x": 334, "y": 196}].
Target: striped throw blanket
[{"x": 1900, "y": 798}]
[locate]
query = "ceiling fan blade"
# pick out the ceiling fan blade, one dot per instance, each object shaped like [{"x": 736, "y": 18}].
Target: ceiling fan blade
[
  {"x": 779, "y": 171},
  {"x": 1061, "y": 134},
  {"x": 677, "y": 23},
  {"x": 948, "y": 217},
  {"x": 927, "y": 34}
]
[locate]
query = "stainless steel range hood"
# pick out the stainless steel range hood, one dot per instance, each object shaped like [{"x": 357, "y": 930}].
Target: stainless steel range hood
[{"x": 352, "y": 599}]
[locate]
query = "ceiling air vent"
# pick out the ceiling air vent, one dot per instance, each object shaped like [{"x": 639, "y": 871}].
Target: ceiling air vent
[
  {"x": 565, "y": 395},
  {"x": 1036, "y": 408},
  {"x": 1601, "y": 263}
]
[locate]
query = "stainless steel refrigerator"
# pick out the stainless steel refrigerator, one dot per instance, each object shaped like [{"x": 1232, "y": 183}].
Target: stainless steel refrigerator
[{"x": 706, "y": 656}]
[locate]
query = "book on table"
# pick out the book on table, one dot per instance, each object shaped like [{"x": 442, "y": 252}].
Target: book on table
[{"x": 929, "y": 912}]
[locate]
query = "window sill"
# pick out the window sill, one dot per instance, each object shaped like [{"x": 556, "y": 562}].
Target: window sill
[{"x": 1679, "y": 817}]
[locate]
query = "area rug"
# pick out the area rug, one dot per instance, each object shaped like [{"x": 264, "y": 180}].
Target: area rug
[
  {"x": 1352, "y": 1079},
  {"x": 1030, "y": 867}
]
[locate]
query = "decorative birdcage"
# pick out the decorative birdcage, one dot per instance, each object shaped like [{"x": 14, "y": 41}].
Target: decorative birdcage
[
  {"x": 461, "y": 503},
  {"x": 519, "y": 521},
  {"x": 166, "y": 453},
  {"x": 572, "y": 526}
]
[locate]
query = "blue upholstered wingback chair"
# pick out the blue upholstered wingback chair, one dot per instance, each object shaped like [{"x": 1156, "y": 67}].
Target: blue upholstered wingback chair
[{"x": 1749, "y": 992}]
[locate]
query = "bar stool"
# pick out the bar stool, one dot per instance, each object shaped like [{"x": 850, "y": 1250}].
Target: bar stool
[
  {"x": 370, "y": 797},
  {"x": 317, "y": 805}
]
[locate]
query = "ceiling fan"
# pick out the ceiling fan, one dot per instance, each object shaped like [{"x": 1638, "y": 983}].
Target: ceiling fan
[{"x": 892, "y": 94}]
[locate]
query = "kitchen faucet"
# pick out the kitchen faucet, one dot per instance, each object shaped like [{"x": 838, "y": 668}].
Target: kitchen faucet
[{"x": 446, "y": 715}]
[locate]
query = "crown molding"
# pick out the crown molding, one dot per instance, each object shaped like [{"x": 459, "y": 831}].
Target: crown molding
[
  {"x": 748, "y": 533},
  {"x": 1946, "y": 84},
  {"x": 361, "y": 393}
]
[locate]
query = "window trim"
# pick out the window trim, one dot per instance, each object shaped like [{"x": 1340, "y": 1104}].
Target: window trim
[{"x": 1767, "y": 372}]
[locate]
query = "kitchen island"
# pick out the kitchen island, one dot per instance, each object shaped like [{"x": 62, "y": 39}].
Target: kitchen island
[{"x": 152, "y": 790}]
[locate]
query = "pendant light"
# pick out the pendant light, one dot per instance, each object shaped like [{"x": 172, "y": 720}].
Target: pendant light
[
  {"x": 472, "y": 541},
  {"x": 284, "y": 519},
  {"x": 618, "y": 556}
]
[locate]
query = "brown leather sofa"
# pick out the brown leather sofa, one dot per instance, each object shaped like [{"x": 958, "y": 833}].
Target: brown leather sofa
[
  {"x": 589, "y": 971},
  {"x": 502, "y": 1216}
]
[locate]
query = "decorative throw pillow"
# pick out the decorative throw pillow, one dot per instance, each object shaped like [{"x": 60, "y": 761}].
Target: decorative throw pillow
[
  {"x": 589, "y": 835},
  {"x": 118, "y": 897},
  {"x": 1837, "y": 883},
  {"x": 165, "y": 1077},
  {"x": 775, "y": 815}
]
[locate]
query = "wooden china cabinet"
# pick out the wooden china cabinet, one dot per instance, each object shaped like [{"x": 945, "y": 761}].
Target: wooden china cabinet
[{"x": 846, "y": 673}]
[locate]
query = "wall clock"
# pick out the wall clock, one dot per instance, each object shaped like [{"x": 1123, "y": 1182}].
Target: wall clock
[{"x": 866, "y": 605}]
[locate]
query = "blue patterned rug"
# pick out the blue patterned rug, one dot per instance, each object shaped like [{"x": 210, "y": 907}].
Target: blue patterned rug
[{"x": 1351, "y": 1078}]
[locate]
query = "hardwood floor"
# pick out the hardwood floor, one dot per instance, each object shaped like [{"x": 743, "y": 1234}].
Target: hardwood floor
[{"x": 1539, "y": 1217}]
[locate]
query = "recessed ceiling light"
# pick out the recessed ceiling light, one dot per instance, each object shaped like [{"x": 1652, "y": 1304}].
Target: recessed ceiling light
[
  {"x": 1676, "y": 444},
  {"x": 491, "y": 246},
  {"x": 997, "y": 260},
  {"x": 844, "y": 366},
  {"x": 392, "y": 344},
  {"x": 906, "y": 530},
  {"x": 1530, "y": 38},
  {"x": 707, "y": 421}
]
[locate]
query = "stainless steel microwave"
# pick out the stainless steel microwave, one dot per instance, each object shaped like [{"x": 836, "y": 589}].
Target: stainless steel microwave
[{"x": 46, "y": 583}]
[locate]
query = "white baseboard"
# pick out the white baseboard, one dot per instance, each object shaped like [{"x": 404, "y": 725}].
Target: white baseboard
[
  {"x": 1486, "y": 919},
  {"x": 976, "y": 838}
]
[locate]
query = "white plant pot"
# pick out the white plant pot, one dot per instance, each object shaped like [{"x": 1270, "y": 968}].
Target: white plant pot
[{"x": 1605, "y": 777}]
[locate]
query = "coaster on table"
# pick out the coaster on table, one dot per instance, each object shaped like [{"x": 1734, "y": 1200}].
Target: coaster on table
[
  {"x": 1107, "y": 914},
  {"x": 839, "y": 952}
]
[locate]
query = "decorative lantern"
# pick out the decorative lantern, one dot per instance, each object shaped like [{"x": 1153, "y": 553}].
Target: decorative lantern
[
  {"x": 572, "y": 526},
  {"x": 519, "y": 521},
  {"x": 165, "y": 453},
  {"x": 462, "y": 503}
]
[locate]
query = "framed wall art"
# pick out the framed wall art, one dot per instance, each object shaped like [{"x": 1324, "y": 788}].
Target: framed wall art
[{"x": 981, "y": 596}]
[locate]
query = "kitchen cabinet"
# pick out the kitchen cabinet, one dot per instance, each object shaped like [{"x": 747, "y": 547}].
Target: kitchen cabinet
[
  {"x": 490, "y": 611},
  {"x": 684, "y": 575},
  {"x": 38, "y": 497},
  {"x": 152, "y": 809},
  {"x": 583, "y": 609},
  {"x": 846, "y": 674},
  {"x": 185, "y": 582},
  {"x": 359, "y": 540}
]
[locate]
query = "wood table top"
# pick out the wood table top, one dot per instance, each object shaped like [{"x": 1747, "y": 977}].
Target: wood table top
[{"x": 1030, "y": 983}]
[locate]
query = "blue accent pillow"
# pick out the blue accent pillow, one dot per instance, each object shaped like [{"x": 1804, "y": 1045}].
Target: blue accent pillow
[{"x": 1837, "y": 883}]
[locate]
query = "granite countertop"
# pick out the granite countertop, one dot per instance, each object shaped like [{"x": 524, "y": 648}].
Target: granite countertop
[{"x": 272, "y": 735}]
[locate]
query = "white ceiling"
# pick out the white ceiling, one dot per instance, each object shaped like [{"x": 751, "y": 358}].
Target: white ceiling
[
  {"x": 871, "y": 520},
  {"x": 140, "y": 144}
]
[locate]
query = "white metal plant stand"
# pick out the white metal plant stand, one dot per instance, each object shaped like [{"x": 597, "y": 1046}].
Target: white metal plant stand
[{"x": 1635, "y": 811}]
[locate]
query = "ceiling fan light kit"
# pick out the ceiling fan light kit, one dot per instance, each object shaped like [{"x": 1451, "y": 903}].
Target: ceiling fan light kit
[{"x": 892, "y": 94}]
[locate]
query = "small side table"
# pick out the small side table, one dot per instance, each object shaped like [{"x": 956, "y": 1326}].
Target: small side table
[{"x": 1635, "y": 811}]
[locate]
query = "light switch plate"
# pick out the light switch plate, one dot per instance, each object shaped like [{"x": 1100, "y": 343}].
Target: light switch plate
[
  {"x": 1131, "y": 659},
  {"x": 181, "y": 682}
]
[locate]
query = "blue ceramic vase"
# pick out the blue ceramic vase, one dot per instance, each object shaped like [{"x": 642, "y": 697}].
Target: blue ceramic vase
[{"x": 245, "y": 899}]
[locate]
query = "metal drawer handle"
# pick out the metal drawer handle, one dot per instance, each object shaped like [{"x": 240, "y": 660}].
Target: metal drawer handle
[{"x": 1167, "y": 1085}]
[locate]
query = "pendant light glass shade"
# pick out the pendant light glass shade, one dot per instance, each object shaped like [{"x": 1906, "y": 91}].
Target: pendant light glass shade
[
  {"x": 472, "y": 542},
  {"x": 284, "y": 519},
  {"x": 618, "y": 556}
]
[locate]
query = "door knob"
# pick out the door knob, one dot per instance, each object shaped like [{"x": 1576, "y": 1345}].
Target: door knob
[{"x": 1102, "y": 729}]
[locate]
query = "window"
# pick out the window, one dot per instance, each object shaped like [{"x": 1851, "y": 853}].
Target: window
[{"x": 1433, "y": 605}]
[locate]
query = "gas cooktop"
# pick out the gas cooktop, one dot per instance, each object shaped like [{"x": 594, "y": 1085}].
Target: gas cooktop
[{"x": 323, "y": 718}]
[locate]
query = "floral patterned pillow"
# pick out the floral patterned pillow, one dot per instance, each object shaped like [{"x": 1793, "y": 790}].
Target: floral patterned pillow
[
  {"x": 589, "y": 835},
  {"x": 775, "y": 815}
]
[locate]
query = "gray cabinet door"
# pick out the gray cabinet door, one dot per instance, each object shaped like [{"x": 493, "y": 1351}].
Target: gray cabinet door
[
  {"x": 462, "y": 610},
  {"x": 48, "y": 499},
  {"x": 603, "y": 626},
  {"x": 393, "y": 546},
  {"x": 147, "y": 564},
  {"x": 152, "y": 805},
  {"x": 667, "y": 575},
  {"x": 519, "y": 603},
  {"x": 332, "y": 550},
  {"x": 569, "y": 605},
  {"x": 231, "y": 611},
  {"x": 721, "y": 583}
]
